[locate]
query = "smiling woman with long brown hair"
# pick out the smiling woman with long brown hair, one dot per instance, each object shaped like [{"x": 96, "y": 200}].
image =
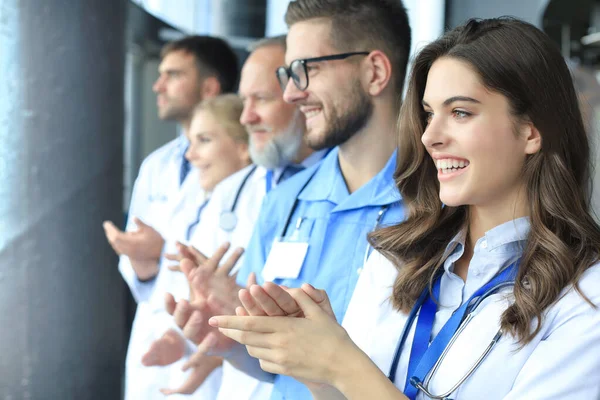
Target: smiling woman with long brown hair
[{"x": 490, "y": 288}]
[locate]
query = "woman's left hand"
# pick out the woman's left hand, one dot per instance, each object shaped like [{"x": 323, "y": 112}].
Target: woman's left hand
[{"x": 313, "y": 348}]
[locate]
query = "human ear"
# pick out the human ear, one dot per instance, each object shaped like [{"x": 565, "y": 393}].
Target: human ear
[
  {"x": 378, "y": 72},
  {"x": 210, "y": 87},
  {"x": 533, "y": 138}
]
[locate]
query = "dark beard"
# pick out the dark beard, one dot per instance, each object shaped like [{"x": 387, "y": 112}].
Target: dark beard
[{"x": 343, "y": 127}]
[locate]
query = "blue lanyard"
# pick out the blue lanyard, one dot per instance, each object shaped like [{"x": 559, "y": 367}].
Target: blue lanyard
[
  {"x": 184, "y": 168},
  {"x": 423, "y": 355},
  {"x": 191, "y": 227},
  {"x": 269, "y": 180}
]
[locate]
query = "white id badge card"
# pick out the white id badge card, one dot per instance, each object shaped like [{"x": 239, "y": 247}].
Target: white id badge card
[{"x": 285, "y": 260}]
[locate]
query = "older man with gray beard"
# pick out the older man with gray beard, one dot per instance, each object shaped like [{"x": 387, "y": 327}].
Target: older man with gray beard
[
  {"x": 276, "y": 128},
  {"x": 272, "y": 149}
]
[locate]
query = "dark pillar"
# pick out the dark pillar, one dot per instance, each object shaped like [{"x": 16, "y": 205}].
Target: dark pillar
[{"x": 62, "y": 315}]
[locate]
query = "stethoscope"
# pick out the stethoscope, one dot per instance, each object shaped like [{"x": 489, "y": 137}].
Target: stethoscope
[
  {"x": 228, "y": 219},
  {"x": 424, "y": 385},
  {"x": 380, "y": 215},
  {"x": 193, "y": 225}
]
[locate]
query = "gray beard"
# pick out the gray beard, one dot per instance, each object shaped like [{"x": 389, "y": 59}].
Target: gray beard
[{"x": 282, "y": 148}]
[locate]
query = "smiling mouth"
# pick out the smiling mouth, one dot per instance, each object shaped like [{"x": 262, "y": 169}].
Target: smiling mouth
[
  {"x": 448, "y": 166},
  {"x": 312, "y": 113}
]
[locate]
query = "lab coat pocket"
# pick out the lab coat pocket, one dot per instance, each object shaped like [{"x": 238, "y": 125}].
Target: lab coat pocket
[{"x": 157, "y": 213}]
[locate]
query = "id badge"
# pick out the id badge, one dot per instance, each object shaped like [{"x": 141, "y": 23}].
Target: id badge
[
  {"x": 287, "y": 255},
  {"x": 285, "y": 260}
]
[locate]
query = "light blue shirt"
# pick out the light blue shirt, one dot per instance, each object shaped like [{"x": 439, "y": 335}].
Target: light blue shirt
[
  {"x": 335, "y": 225},
  {"x": 277, "y": 174}
]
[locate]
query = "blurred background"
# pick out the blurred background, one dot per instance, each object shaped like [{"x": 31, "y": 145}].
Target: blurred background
[{"x": 78, "y": 115}]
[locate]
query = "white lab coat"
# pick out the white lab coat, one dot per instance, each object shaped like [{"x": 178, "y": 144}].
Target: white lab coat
[
  {"x": 209, "y": 236},
  {"x": 184, "y": 214},
  {"x": 155, "y": 192},
  {"x": 157, "y": 199},
  {"x": 562, "y": 362},
  {"x": 206, "y": 237},
  {"x": 152, "y": 313}
]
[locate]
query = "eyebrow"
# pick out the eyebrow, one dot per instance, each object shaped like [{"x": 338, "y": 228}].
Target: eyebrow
[
  {"x": 257, "y": 94},
  {"x": 453, "y": 99},
  {"x": 170, "y": 71},
  {"x": 286, "y": 64}
]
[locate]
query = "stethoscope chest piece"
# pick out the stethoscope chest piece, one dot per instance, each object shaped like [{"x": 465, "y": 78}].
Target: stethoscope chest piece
[{"x": 227, "y": 221}]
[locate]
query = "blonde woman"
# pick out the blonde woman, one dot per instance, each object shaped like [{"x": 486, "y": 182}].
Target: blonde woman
[{"x": 218, "y": 148}]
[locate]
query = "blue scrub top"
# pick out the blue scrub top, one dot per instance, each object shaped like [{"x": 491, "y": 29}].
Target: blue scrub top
[{"x": 335, "y": 225}]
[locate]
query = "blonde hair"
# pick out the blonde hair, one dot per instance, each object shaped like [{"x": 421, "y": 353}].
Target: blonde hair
[{"x": 227, "y": 110}]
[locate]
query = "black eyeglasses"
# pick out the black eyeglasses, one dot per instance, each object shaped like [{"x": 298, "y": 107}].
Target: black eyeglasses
[{"x": 298, "y": 72}]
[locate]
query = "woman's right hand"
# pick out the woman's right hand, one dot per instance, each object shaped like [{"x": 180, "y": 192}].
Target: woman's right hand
[
  {"x": 274, "y": 300},
  {"x": 294, "y": 332},
  {"x": 310, "y": 346}
]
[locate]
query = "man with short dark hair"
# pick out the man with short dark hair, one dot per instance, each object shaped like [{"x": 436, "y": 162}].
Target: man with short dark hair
[
  {"x": 191, "y": 69},
  {"x": 345, "y": 67}
]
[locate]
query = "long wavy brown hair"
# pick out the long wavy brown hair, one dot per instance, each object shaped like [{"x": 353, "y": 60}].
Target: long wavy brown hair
[{"x": 517, "y": 60}]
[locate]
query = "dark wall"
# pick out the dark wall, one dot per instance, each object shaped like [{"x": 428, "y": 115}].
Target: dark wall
[{"x": 62, "y": 322}]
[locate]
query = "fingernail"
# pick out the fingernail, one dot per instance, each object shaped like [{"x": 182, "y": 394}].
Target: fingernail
[{"x": 213, "y": 322}]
